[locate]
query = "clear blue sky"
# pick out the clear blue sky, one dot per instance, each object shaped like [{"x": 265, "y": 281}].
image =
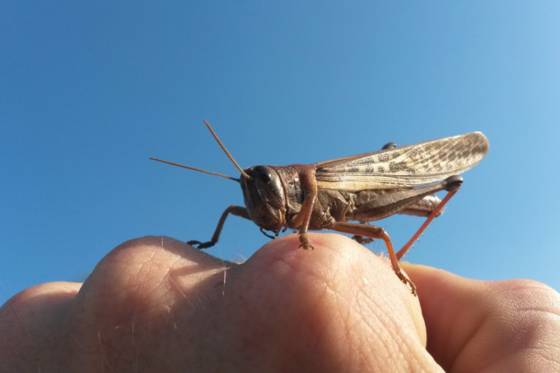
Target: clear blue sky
[{"x": 88, "y": 91}]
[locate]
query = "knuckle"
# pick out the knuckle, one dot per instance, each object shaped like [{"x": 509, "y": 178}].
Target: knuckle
[
  {"x": 24, "y": 297},
  {"x": 142, "y": 274},
  {"x": 525, "y": 288},
  {"x": 524, "y": 296}
]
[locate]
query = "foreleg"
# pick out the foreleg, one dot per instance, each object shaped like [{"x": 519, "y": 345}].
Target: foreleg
[
  {"x": 234, "y": 210},
  {"x": 302, "y": 220}
]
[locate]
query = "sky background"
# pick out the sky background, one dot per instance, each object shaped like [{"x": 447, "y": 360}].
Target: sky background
[{"x": 90, "y": 90}]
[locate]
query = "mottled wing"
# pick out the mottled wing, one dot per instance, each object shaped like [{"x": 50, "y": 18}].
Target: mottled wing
[{"x": 403, "y": 167}]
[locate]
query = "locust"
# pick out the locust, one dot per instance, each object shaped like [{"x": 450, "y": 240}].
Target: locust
[{"x": 348, "y": 193}]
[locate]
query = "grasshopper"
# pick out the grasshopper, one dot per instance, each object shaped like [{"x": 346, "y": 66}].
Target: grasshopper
[{"x": 345, "y": 194}]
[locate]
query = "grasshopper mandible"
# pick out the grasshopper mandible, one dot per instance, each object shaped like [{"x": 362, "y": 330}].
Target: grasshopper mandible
[{"x": 360, "y": 188}]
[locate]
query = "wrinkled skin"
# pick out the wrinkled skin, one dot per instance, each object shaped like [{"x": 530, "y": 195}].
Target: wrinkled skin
[{"x": 156, "y": 305}]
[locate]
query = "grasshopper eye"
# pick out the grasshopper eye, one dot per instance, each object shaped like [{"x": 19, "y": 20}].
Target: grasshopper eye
[
  {"x": 263, "y": 174},
  {"x": 265, "y": 177}
]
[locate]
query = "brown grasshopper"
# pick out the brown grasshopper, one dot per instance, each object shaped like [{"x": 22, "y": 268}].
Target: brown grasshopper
[{"x": 360, "y": 188}]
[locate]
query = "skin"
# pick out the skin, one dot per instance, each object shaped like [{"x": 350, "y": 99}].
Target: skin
[{"x": 156, "y": 305}]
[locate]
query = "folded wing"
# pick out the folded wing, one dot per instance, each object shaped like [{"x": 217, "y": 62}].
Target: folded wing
[{"x": 404, "y": 167}]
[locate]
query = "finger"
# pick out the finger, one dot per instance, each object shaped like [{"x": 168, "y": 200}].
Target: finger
[
  {"x": 474, "y": 325},
  {"x": 336, "y": 308},
  {"x": 137, "y": 307},
  {"x": 30, "y": 325}
]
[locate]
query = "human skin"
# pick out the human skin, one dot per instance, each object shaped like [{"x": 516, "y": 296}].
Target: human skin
[{"x": 157, "y": 305}]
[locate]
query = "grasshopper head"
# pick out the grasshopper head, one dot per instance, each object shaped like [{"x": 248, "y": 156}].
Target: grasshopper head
[{"x": 264, "y": 197}]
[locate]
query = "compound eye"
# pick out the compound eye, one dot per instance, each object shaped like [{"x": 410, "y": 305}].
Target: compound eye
[{"x": 263, "y": 174}]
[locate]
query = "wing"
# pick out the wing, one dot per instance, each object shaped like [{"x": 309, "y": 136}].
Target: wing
[{"x": 404, "y": 167}]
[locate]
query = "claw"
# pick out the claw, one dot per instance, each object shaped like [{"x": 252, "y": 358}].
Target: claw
[
  {"x": 304, "y": 242},
  {"x": 307, "y": 246},
  {"x": 407, "y": 282},
  {"x": 200, "y": 245},
  {"x": 193, "y": 243},
  {"x": 362, "y": 239}
]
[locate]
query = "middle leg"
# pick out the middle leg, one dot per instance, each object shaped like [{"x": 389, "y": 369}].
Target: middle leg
[
  {"x": 362, "y": 239},
  {"x": 373, "y": 231}
]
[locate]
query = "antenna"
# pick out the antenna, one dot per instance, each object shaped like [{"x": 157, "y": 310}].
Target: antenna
[
  {"x": 209, "y": 126},
  {"x": 195, "y": 169}
]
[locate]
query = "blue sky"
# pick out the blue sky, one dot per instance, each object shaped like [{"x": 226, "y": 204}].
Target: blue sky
[{"x": 88, "y": 91}]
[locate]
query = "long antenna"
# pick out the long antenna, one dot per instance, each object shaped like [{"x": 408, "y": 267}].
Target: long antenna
[
  {"x": 209, "y": 126},
  {"x": 195, "y": 169}
]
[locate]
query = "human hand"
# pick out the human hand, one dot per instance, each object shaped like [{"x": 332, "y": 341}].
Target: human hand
[{"x": 156, "y": 305}]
